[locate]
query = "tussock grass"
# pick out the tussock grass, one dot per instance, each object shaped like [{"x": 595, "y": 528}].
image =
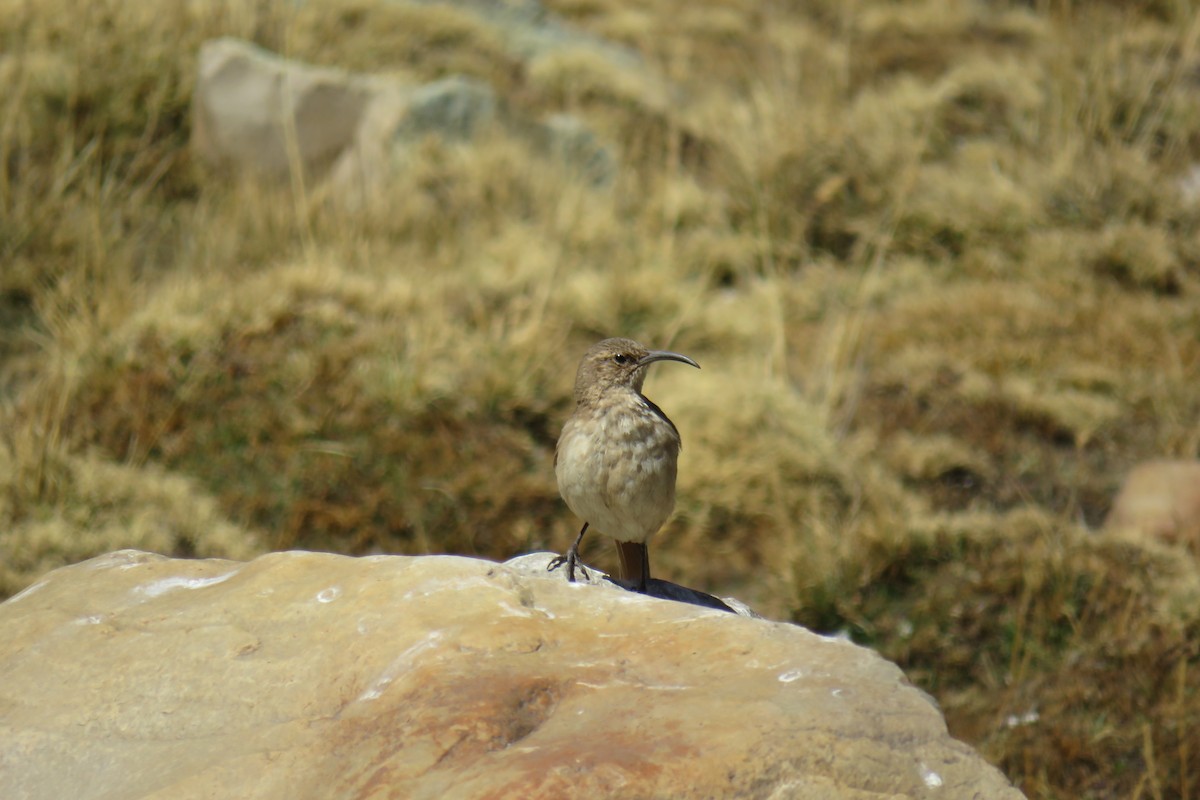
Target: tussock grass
[
  {"x": 58, "y": 508},
  {"x": 1066, "y": 656},
  {"x": 430, "y": 41},
  {"x": 932, "y": 258}
]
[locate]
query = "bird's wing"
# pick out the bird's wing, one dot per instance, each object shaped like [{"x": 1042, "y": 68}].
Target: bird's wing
[{"x": 659, "y": 413}]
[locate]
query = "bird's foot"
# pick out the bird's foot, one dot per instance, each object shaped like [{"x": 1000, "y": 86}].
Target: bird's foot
[{"x": 571, "y": 559}]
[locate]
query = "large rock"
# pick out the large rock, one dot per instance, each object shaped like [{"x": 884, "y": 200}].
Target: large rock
[{"x": 304, "y": 675}]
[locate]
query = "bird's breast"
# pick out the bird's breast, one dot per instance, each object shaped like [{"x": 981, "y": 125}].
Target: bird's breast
[{"x": 616, "y": 467}]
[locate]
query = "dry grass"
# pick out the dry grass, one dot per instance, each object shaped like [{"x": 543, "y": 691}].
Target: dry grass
[{"x": 930, "y": 255}]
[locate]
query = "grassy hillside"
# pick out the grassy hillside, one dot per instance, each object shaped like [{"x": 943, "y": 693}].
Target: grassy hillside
[{"x": 934, "y": 258}]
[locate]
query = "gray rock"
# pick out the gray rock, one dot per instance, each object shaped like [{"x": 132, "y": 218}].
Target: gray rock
[
  {"x": 530, "y": 32},
  {"x": 567, "y": 140},
  {"x": 454, "y": 108}
]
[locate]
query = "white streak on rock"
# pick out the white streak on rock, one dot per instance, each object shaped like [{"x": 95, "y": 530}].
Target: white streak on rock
[
  {"x": 402, "y": 663},
  {"x": 28, "y": 590},
  {"x": 179, "y": 582}
]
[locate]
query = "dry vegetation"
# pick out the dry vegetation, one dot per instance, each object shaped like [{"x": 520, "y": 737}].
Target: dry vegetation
[{"x": 932, "y": 256}]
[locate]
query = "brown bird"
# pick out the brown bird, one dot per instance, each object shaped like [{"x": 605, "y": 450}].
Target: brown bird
[{"x": 617, "y": 455}]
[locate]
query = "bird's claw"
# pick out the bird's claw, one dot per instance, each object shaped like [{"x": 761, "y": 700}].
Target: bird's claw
[{"x": 571, "y": 559}]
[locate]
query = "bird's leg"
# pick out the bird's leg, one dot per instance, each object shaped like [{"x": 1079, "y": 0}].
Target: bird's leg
[{"x": 571, "y": 558}]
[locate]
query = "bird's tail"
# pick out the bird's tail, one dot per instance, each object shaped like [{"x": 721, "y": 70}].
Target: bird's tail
[{"x": 635, "y": 562}]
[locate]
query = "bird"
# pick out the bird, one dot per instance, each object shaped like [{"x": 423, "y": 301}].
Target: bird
[{"x": 617, "y": 456}]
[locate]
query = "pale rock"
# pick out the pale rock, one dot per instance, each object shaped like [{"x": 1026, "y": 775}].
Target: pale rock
[
  {"x": 1188, "y": 185},
  {"x": 305, "y": 675},
  {"x": 251, "y": 108},
  {"x": 1159, "y": 500}
]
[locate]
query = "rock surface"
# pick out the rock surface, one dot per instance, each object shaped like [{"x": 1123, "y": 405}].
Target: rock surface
[
  {"x": 302, "y": 675},
  {"x": 251, "y": 108}
]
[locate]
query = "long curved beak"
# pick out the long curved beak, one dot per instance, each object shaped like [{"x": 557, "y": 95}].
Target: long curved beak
[{"x": 665, "y": 355}]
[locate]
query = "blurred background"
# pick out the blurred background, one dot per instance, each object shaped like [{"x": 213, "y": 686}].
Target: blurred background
[{"x": 318, "y": 275}]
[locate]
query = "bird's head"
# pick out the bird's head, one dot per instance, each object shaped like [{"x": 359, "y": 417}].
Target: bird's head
[{"x": 618, "y": 363}]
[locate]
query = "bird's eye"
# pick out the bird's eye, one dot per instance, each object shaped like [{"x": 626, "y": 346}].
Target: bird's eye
[{"x": 621, "y": 358}]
